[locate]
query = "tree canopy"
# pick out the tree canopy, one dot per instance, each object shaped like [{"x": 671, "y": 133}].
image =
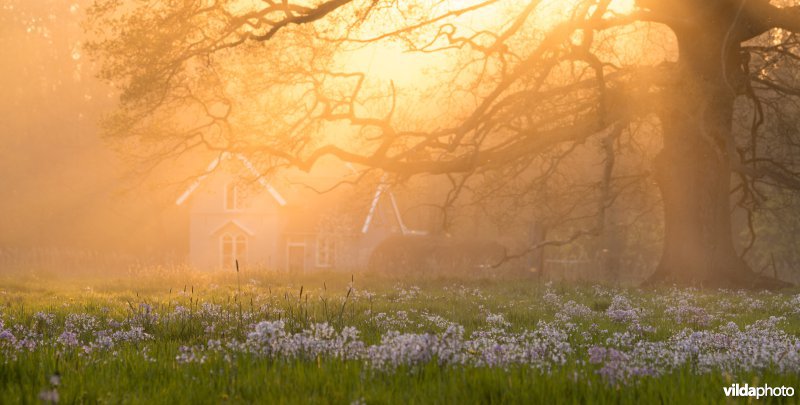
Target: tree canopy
[{"x": 696, "y": 96}]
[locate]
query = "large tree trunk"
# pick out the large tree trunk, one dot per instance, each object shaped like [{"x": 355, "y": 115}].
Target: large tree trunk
[
  {"x": 693, "y": 175},
  {"x": 693, "y": 171}
]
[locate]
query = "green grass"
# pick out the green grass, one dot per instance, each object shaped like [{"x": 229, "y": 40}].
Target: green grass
[
  {"x": 131, "y": 380},
  {"x": 147, "y": 372}
]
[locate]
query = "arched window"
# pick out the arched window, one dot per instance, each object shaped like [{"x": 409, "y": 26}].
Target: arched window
[
  {"x": 227, "y": 249},
  {"x": 240, "y": 250},
  {"x": 326, "y": 251},
  {"x": 233, "y": 248}
]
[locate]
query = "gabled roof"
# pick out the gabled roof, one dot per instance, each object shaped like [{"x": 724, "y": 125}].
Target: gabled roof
[
  {"x": 247, "y": 164},
  {"x": 383, "y": 188},
  {"x": 235, "y": 224}
]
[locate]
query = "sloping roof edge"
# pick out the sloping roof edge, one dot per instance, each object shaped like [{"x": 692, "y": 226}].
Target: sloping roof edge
[
  {"x": 261, "y": 180},
  {"x": 382, "y": 189},
  {"x": 196, "y": 183},
  {"x": 236, "y": 224},
  {"x": 247, "y": 164}
]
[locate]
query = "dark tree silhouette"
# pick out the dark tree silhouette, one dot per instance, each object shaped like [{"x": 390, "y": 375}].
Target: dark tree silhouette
[{"x": 539, "y": 83}]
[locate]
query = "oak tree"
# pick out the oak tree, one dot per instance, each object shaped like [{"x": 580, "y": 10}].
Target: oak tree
[{"x": 519, "y": 82}]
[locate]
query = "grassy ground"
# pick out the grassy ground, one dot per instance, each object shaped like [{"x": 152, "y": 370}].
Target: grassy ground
[{"x": 181, "y": 337}]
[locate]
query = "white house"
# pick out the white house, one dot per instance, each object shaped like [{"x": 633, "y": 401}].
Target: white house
[{"x": 236, "y": 215}]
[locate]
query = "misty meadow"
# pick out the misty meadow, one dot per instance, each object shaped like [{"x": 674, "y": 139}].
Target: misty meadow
[
  {"x": 333, "y": 339},
  {"x": 393, "y": 201}
]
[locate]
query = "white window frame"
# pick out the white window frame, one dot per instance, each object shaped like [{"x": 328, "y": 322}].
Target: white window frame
[
  {"x": 290, "y": 245},
  {"x": 328, "y": 244},
  {"x": 235, "y": 253},
  {"x": 231, "y": 187}
]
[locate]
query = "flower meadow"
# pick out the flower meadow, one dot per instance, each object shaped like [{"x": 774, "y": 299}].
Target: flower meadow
[{"x": 336, "y": 339}]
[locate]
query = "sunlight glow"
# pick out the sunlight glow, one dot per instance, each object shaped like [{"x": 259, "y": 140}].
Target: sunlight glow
[{"x": 393, "y": 62}]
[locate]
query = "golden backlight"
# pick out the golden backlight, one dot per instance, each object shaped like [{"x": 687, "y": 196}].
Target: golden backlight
[{"x": 392, "y": 61}]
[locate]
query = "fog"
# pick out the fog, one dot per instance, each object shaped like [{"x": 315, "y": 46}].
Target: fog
[
  {"x": 64, "y": 187},
  {"x": 445, "y": 138}
]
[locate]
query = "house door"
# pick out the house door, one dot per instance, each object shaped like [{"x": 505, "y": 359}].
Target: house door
[{"x": 296, "y": 263}]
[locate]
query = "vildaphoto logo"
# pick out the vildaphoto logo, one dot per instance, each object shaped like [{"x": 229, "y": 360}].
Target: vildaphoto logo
[{"x": 737, "y": 390}]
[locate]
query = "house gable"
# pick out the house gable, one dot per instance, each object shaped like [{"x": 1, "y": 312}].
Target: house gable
[
  {"x": 390, "y": 216},
  {"x": 221, "y": 169},
  {"x": 236, "y": 215},
  {"x": 232, "y": 227}
]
